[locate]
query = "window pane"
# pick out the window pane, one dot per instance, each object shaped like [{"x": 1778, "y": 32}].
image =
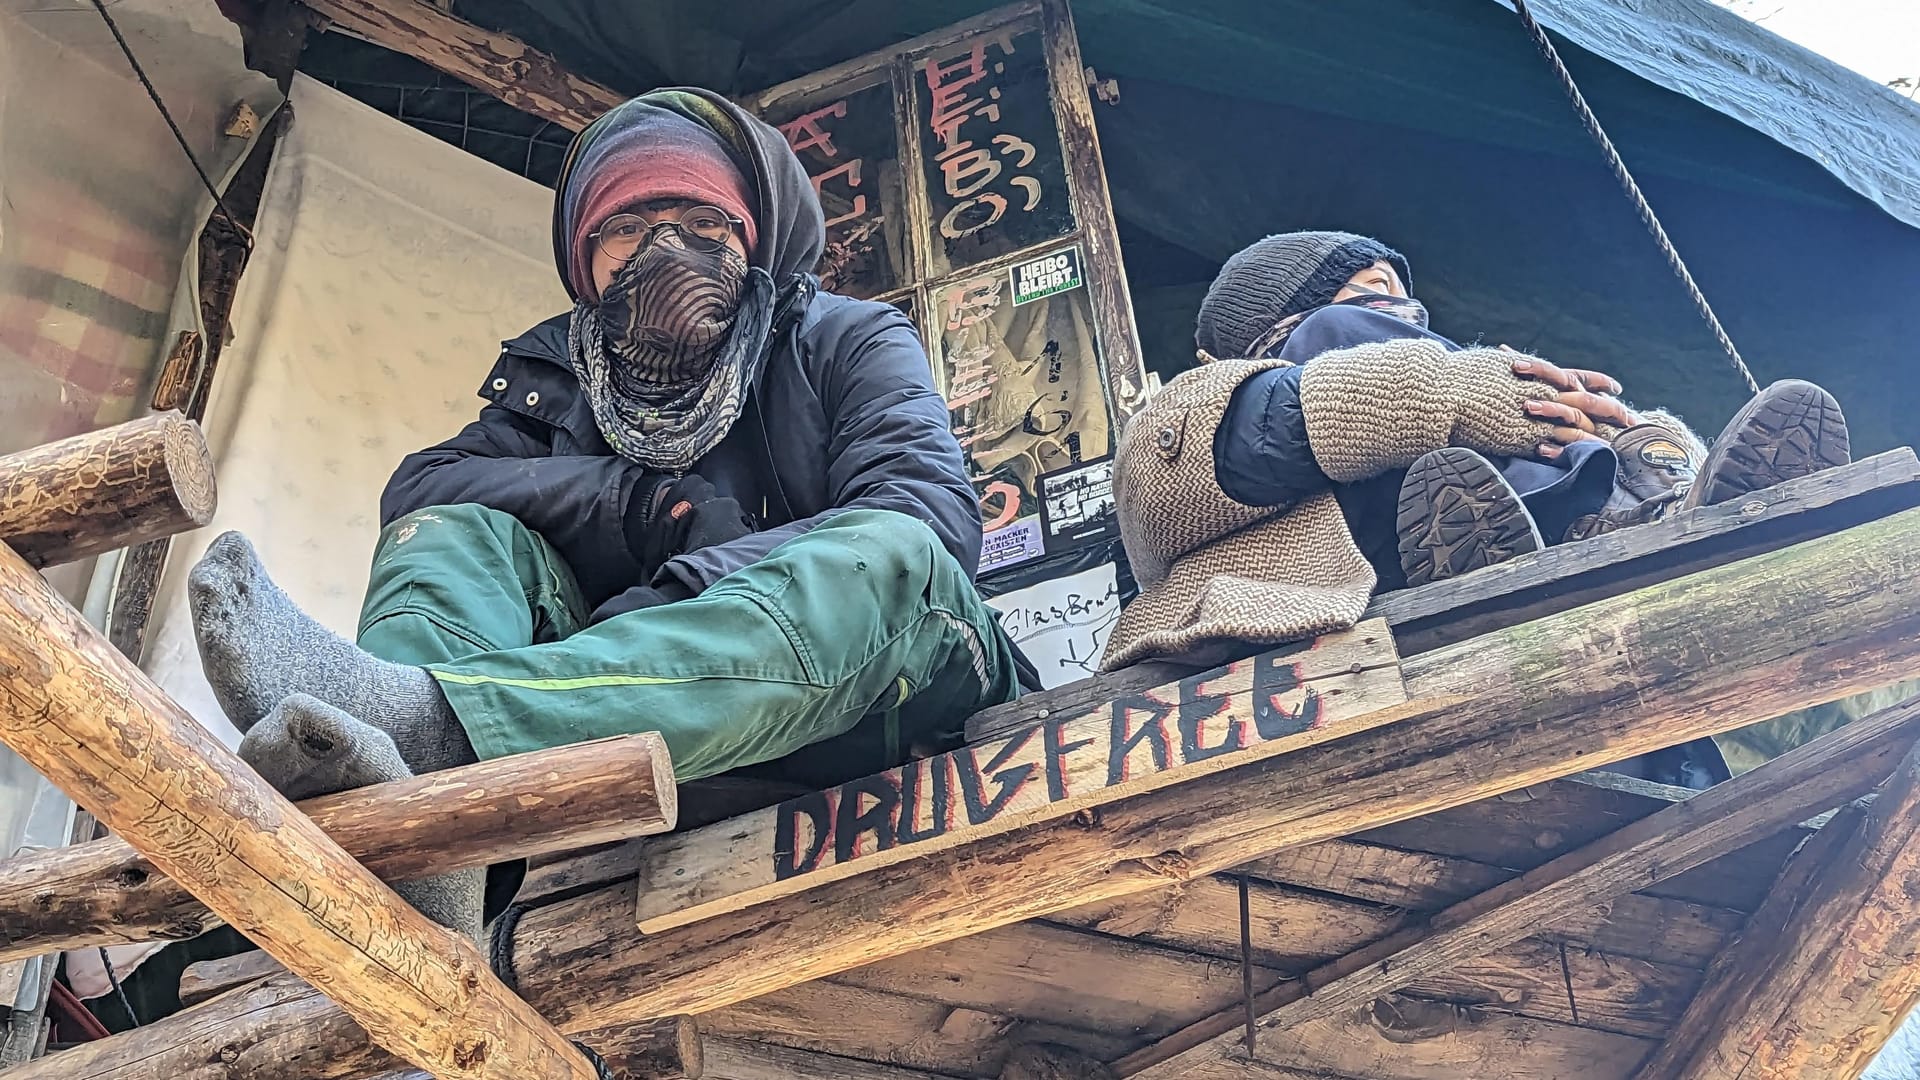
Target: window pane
[
  {"x": 996, "y": 176},
  {"x": 1023, "y": 386},
  {"x": 849, "y": 143}
]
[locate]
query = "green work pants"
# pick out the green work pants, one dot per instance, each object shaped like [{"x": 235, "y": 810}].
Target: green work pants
[{"x": 866, "y": 616}]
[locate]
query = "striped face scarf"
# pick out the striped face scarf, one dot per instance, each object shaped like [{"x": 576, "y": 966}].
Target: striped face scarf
[{"x": 670, "y": 350}]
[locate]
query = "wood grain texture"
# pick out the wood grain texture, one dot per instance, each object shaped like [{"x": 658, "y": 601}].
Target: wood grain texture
[
  {"x": 1278, "y": 703},
  {"x": 1119, "y": 339},
  {"x": 1831, "y": 770},
  {"x": 105, "y": 892},
  {"x": 1820, "y": 997},
  {"x": 738, "y": 1059},
  {"x": 499, "y": 63},
  {"x": 1404, "y": 1038},
  {"x": 1559, "y": 578},
  {"x": 99, "y": 729},
  {"x": 103, "y": 490},
  {"x": 1517, "y": 707}
]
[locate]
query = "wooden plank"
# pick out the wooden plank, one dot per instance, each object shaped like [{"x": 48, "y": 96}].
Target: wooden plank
[
  {"x": 208, "y": 979},
  {"x": 1833, "y": 769},
  {"x": 1530, "y": 977},
  {"x": 499, "y": 63},
  {"x": 105, "y": 892},
  {"x": 1408, "y": 1039},
  {"x": 1560, "y": 578},
  {"x": 1525, "y": 828},
  {"x": 1819, "y": 998},
  {"x": 1119, "y": 339},
  {"x": 1556, "y": 579},
  {"x": 97, "y": 727},
  {"x": 1279, "y": 703},
  {"x": 832, "y": 1017},
  {"x": 102, "y": 490},
  {"x": 738, "y": 1059},
  {"x": 1713, "y": 651}
]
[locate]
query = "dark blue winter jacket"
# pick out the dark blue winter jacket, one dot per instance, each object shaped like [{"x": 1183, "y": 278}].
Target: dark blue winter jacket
[{"x": 845, "y": 415}]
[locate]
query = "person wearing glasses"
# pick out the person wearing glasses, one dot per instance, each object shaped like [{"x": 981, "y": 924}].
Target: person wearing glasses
[{"x": 711, "y": 501}]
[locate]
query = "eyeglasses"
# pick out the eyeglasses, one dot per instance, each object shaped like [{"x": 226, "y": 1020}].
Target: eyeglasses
[{"x": 701, "y": 228}]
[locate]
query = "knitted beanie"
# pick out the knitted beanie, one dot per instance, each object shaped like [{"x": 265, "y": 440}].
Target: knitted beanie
[
  {"x": 1280, "y": 276},
  {"x": 636, "y": 153}
]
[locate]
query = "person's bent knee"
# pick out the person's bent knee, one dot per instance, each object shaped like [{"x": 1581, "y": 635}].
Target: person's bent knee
[
  {"x": 902, "y": 540},
  {"x": 455, "y": 515}
]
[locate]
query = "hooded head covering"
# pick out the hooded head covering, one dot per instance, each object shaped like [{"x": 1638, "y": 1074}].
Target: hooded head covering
[
  {"x": 665, "y": 404},
  {"x": 1279, "y": 277},
  {"x": 788, "y": 229},
  {"x": 646, "y": 154}
]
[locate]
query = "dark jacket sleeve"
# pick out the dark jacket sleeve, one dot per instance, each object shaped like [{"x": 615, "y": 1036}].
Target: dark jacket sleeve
[
  {"x": 501, "y": 460},
  {"x": 889, "y": 444},
  {"x": 1260, "y": 451}
]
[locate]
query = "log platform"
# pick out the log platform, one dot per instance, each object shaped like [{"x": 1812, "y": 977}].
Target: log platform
[{"x": 1379, "y": 857}]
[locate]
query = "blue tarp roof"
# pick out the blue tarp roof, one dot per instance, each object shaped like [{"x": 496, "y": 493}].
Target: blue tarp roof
[{"x": 1864, "y": 133}]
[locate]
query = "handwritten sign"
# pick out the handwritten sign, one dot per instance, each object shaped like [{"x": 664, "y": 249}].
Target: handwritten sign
[
  {"x": 1062, "y": 624},
  {"x": 850, "y": 147},
  {"x": 994, "y": 166},
  {"x": 1248, "y": 711}
]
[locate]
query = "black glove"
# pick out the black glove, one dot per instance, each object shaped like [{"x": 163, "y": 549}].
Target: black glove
[
  {"x": 679, "y": 516},
  {"x": 640, "y": 597}
]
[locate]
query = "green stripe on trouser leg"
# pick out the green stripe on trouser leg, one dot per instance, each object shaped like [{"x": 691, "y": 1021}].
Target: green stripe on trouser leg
[{"x": 864, "y": 613}]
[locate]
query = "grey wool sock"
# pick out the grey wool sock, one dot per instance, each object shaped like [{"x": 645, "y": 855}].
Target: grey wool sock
[
  {"x": 258, "y": 648},
  {"x": 305, "y": 747}
]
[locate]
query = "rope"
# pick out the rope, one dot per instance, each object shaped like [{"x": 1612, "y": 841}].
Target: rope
[
  {"x": 119, "y": 991},
  {"x": 165, "y": 114},
  {"x": 500, "y": 945},
  {"x": 599, "y": 1063},
  {"x": 1632, "y": 189}
]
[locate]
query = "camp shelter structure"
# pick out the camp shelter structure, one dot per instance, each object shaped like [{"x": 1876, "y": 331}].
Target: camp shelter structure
[{"x": 1639, "y": 930}]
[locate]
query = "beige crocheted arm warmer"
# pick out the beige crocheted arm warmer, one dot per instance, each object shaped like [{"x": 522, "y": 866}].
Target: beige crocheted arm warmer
[{"x": 1379, "y": 406}]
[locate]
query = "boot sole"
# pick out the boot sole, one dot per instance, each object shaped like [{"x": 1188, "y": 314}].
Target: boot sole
[
  {"x": 1789, "y": 430},
  {"x": 1458, "y": 514}
]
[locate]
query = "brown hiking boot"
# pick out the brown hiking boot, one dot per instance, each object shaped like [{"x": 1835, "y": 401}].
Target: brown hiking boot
[
  {"x": 1790, "y": 429},
  {"x": 1657, "y": 469},
  {"x": 1457, "y": 513},
  {"x": 1654, "y": 462}
]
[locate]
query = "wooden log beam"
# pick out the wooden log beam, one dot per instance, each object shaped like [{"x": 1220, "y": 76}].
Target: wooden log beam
[
  {"x": 1716, "y": 650},
  {"x": 499, "y": 63},
  {"x": 93, "y": 493},
  {"x": 105, "y": 892},
  {"x": 1836, "y": 768},
  {"x": 98, "y": 728},
  {"x": 1816, "y": 998},
  {"x": 1067, "y": 766},
  {"x": 1567, "y": 576}
]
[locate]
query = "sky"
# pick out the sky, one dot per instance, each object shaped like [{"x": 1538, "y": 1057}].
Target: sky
[{"x": 1877, "y": 38}]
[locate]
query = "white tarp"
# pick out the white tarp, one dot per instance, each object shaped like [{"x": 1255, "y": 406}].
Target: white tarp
[{"x": 388, "y": 268}]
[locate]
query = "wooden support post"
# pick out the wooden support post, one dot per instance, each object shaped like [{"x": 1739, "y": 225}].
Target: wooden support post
[
  {"x": 99, "y": 729},
  {"x": 1832, "y": 962},
  {"x": 93, "y": 493},
  {"x": 1671, "y": 662},
  {"x": 106, "y": 893},
  {"x": 500, "y": 64},
  {"x": 1839, "y": 766}
]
